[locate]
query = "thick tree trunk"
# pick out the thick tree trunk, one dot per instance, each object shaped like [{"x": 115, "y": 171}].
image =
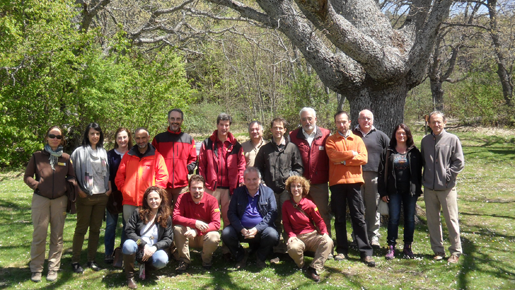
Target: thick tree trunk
[
  {"x": 385, "y": 102},
  {"x": 437, "y": 92}
]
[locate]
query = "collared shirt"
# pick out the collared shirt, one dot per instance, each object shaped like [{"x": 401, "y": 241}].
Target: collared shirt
[
  {"x": 251, "y": 151},
  {"x": 346, "y": 134},
  {"x": 310, "y": 137},
  {"x": 251, "y": 217},
  {"x": 363, "y": 133}
]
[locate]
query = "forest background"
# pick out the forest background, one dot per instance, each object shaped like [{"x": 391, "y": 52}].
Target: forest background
[{"x": 126, "y": 63}]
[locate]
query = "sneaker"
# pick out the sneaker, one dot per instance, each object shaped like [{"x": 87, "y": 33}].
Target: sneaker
[
  {"x": 142, "y": 273},
  {"x": 453, "y": 259},
  {"x": 340, "y": 257},
  {"x": 407, "y": 253},
  {"x": 183, "y": 266},
  {"x": 51, "y": 276},
  {"x": 93, "y": 265},
  {"x": 76, "y": 268},
  {"x": 35, "y": 277},
  {"x": 439, "y": 256},
  {"x": 369, "y": 261},
  {"x": 390, "y": 254}
]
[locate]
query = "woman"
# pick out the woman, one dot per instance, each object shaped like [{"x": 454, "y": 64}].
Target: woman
[
  {"x": 151, "y": 229},
  {"x": 399, "y": 183},
  {"x": 54, "y": 173},
  {"x": 305, "y": 227},
  {"x": 94, "y": 187},
  {"x": 123, "y": 141}
]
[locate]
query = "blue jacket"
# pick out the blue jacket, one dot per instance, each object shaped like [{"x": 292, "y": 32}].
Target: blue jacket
[{"x": 267, "y": 207}]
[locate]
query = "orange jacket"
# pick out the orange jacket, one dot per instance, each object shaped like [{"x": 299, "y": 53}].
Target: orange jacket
[
  {"x": 344, "y": 167},
  {"x": 136, "y": 174}
]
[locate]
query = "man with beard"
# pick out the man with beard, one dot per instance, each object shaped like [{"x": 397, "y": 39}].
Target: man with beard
[
  {"x": 141, "y": 167},
  {"x": 179, "y": 153}
]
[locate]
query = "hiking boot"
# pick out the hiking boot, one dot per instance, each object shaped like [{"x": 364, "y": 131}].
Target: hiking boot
[
  {"x": 390, "y": 254},
  {"x": 76, "y": 268},
  {"x": 340, "y": 257},
  {"x": 51, "y": 276},
  {"x": 369, "y": 261},
  {"x": 35, "y": 277},
  {"x": 312, "y": 274},
  {"x": 439, "y": 256},
  {"x": 407, "y": 252},
  {"x": 453, "y": 259},
  {"x": 183, "y": 266}
]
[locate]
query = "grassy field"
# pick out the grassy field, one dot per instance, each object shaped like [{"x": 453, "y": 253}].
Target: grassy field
[{"x": 486, "y": 192}]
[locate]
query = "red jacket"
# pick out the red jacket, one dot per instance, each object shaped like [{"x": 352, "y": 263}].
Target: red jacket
[
  {"x": 136, "y": 174},
  {"x": 211, "y": 163},
  {"x": 296, "y": 223},
  {"x": 187, "y": 212},
  {"x": 180, "y": 155},
  {"x": 314, "y": 158}
]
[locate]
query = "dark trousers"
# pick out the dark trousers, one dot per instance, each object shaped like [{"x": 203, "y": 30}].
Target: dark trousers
[
  {"x": 262, "y": 243},
  {"x": 409, "y": 204},
  {"x": 341, "y": 194}
]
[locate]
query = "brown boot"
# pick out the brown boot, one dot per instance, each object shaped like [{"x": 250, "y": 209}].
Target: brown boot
[{"x": 128, "y": 261}]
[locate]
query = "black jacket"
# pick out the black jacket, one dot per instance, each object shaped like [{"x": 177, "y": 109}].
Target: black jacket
[
  {"x": 415, "y": 165},
  {"x": 135, "y": 225},
  {"x": 267, "y": 207},
  {"x": 277, "y": 164}
]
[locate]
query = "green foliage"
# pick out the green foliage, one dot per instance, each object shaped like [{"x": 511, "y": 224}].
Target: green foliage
[{"x": 55, "y": 75}]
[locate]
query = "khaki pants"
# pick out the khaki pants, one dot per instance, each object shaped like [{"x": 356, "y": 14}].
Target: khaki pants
[
  {"x": 173, "y": 194},
  {"x": 45, "y": 211},
  {"x": 319, "y": 194},
  {"x": 90, "y": 213},
  {"x": 371, "y": 200},
  {"x": 447, "y": 201},
  {"x": 320, "y": 244},
  {"x": 208, "y": 242},
  {"x": 224, "y": 199}
]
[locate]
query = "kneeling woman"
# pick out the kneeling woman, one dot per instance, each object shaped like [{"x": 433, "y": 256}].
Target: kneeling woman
[
  {"x": 151, "y": 228},
  {"x": 305, "y": 227}
]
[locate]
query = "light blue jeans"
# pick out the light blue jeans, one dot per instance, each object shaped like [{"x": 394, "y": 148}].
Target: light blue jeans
[{"x": 159, "y": 259}]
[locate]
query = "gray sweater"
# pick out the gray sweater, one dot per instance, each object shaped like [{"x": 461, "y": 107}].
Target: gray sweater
[
  {"x": 376, "y": 141},
  {"x": 443, "y": 159}
]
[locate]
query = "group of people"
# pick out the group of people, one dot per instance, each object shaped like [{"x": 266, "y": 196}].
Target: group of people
[{"x": 272, "y": 195}]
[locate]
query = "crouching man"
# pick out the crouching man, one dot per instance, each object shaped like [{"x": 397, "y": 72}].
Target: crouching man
[
  {"x": 252, "y": 213},
  {"x": 196, "y": 219}
]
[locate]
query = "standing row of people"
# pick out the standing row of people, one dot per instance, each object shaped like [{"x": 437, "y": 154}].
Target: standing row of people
[{"x": 359, "y": 167}]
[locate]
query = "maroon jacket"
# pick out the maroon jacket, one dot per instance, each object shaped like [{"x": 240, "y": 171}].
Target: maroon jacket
[
  {"x": 178, "y": 150},
  {"x": 314, "y": 158},
  {"x": 211, "y": 164}
]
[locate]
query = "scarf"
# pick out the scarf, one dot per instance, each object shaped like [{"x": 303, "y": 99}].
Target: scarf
[
  {"x": 54, "y": 155},
  {"x": 81, "y": 158}
]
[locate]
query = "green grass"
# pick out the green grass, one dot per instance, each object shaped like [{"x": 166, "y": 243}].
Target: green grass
[{"x": 487, "y": 218}]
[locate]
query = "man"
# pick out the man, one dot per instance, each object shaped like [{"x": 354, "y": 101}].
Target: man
[
  {"x": 310, "y": 140},
  {"x": 252, "y": 212},
  {"x": 142, "y": 166},
  {"x": 251, "y": 147},
  {"x": 443, "y": 160},
  {"x": 375, "y": 141},
  {"x": 196, "y": 220},
  {"x": 221, "y": 163},
  {"x": 277, "y": 161},
  {"x": 347, "y": 153},
  {"x": 179, "y": 153}
]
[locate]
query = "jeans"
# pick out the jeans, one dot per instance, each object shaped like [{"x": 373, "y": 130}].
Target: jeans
[
  {"x": 110, "y": 233},
  {"x": 159, "y": 259},
  {"x": 262, "y": 243},
  {"x": 394, "y": 205}
]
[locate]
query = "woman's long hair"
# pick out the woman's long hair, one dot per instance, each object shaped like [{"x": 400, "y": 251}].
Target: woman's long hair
[
  {"x": 163, "y": 212},
  {"x": 409, "y": 137},
  {"x": 85, "y": 138}
]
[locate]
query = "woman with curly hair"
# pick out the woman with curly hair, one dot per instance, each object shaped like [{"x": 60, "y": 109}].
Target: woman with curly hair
[
  {"x": 305, "y": 227},
  {"x": 150, "y": 229}
]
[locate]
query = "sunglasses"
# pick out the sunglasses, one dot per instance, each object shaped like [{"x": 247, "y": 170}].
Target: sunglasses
[{"x": 52, "y": 136}]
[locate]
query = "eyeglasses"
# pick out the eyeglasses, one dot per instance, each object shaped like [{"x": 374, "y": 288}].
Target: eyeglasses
[{"x": 52, "y": 136}]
